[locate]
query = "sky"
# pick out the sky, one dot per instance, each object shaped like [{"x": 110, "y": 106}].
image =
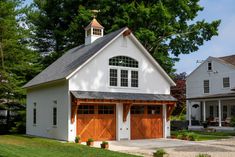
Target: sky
[{"x": 221, "y": 45}]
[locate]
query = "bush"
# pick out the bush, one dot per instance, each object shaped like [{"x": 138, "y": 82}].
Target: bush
[
  {"x": 178, "y": 117},
  {"x": 203, "y": 155},
  {"x": 159, "y": 153},
  {"x": 233, "y": 122},
  {"x": 192, "y": 136},
  {"x": 179, "y": 136}
]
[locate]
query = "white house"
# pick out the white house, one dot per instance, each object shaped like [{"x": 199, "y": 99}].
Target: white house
[
  {"x": 109, "y": 88},
  {"x": 210, "y": 93}
]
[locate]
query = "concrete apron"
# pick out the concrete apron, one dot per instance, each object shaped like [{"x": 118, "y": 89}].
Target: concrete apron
[{"x": 175, "y": 147}]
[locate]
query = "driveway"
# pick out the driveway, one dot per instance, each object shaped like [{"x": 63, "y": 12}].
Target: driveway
[{"x": 175, "y": 148}]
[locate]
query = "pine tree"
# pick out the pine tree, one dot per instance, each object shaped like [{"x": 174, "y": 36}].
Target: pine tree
[{"x": 18, "y": 62}]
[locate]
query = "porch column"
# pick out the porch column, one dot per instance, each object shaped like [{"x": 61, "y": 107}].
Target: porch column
[
  {"x": 189, "y": 113},
  {"x": 204, "y": 111},
  {"x": 219, "y": 103}
]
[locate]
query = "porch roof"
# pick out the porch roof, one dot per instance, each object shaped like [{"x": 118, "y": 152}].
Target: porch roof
[
  {"x": 214, "y": 96},
  {"x": 122, "y": 96}
]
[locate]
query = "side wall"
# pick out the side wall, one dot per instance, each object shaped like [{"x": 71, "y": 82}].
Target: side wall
[{"x": 44, "y": 99}]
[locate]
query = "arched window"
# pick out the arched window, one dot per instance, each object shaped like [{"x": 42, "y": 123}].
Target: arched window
[
  {"x": 123, "y": 61},
  {"x": 123, "y": 72}
]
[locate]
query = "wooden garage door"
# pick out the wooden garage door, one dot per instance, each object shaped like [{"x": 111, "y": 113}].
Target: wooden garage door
[
  {"x": 146, "y": 122},
  {"x": 97, "y": 122}
]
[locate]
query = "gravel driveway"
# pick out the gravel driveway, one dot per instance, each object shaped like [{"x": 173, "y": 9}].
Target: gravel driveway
[{"x": 176, "y": 148}]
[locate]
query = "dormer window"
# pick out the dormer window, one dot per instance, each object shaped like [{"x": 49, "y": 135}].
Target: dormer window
[
  {"x": 123, "y": 72},
  {"x": 209, "y": 66}
]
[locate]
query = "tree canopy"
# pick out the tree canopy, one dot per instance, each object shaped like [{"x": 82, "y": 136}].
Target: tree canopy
[{"x": 167, "y": 28}]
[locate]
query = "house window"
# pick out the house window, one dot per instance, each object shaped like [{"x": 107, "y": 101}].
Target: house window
[
  {"x": 226, "y": 82},
  {"x": 54, "y": 116},
  {"x": 154, "y": 110},
  {"x": 113, "y": 77},
  {"x": 137, "y": 109},
  {"x": 96, "y": 31},
  {"x": 124, "y": 78},
  {"x": 105, "y": 109},
  {"x": 34, "y": 116},
  {"x": 209, "y": 66},
  {"x": 86, "y": 109},
  {"x": 134, "y": 78},
  {"x": 206, "y": 86},
  {"x": 123, "y": 72},
  {"x": 123, "y": 61}
]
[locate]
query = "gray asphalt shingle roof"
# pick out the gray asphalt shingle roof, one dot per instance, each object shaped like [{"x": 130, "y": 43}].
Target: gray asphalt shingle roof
[
  {"x": 122, "y": 96},
  {"x": 71, "y": 60}
]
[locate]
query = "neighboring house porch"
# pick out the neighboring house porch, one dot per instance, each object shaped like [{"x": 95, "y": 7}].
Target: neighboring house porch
[{"x": 217, "y": 110}]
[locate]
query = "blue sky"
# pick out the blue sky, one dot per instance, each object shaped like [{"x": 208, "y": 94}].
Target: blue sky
[{"x": 221, "y": 45}]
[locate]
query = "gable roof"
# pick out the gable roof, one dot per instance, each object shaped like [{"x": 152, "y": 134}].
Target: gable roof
[
  {"x": 72, "y": 60},
  {"x": 227, "y": 60}
]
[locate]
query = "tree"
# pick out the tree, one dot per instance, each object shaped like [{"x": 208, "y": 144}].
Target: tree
[
  {"x": 19, "y": 63},
  {"x": 179, "y": 92},
  {"x": 165, "y": 27}
]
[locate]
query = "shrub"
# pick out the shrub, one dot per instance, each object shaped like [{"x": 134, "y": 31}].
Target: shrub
[
  {"x": 232, "y": 121},
  {"x": 203, "y": 155},
  {"x": 179, "y": 136},
  {"x": 159, "y": 153},
  {"x": 192, "y": 136}
]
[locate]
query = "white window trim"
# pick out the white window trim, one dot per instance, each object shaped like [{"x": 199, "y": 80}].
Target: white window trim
[
  {"x": 119, "y": 68},
  {"x": 204, "y": 87},
  {"x": 223, "y": 82}
]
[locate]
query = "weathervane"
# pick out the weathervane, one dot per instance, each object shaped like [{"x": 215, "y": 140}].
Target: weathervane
[{"x": 95, "y": 12}]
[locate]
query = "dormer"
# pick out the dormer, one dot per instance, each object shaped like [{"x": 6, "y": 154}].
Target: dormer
[{"x": 93, "y": 31}]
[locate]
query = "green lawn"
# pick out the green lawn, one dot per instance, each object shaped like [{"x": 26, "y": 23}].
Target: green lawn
[
  {"x": 24, "y": 146},
  {"x": 202, "y": 136}
]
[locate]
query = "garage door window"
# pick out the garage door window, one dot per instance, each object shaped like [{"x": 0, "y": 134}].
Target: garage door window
[
  {"x": 154, "y": 109},
  {"x": 86, "y": 109},
  {"x": 137, "y": 110},
  {"x": 105, "y": 109}
]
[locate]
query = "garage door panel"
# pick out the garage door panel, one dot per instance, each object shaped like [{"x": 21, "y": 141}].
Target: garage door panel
[
  {"x": 100, "y": 125},
  {"x": 146, "y": 122}
]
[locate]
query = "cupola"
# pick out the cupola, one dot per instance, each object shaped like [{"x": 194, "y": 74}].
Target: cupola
[{"x": 93, "y": 31}]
